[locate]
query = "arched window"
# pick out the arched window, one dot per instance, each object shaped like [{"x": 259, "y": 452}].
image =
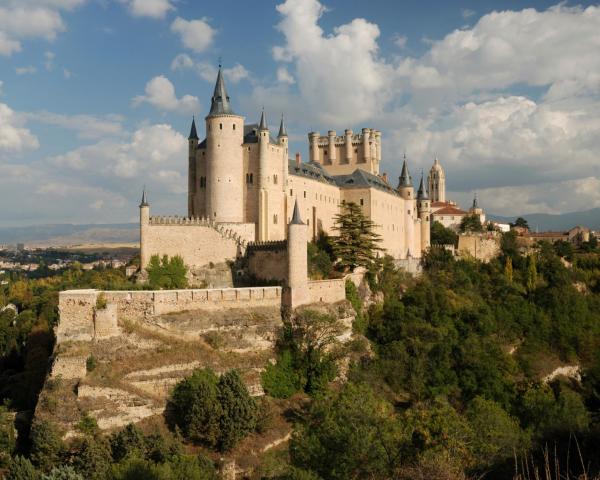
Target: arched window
[
  {"x": 275, "y": 179},
  {"x": 234, "y": 126},
  {"x": 275, "y": 219}
]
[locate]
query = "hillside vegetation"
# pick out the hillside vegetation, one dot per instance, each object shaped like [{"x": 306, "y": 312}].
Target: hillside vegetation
[{"x": 454, "y": 375}]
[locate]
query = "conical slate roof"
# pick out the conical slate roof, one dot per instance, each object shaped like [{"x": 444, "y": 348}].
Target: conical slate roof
[
  {"x": 144, "y": 202},
  {"x": 296, "y": 220},
  {"x": 193, "y": 132},
  {"x": 263, "y": 122},
  {"x": 282, "y": 129},
  {"x": 422, "y": 193},
  {"x": 220, "y": 100},
  {"x": 475, "y": 204},
  {"x": 405, "y": 179}
]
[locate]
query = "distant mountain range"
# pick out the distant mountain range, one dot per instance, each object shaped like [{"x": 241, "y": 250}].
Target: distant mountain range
[
  {"x": 564, "y": 221},
  {"x": 68, "y": 234}
]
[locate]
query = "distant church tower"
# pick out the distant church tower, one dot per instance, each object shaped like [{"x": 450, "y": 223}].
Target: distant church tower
[{"x": 436, "y": 182}]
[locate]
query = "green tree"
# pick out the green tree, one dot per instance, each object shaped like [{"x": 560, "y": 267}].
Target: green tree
[
  {"x": 441, "y": 235},
  {"x": 508, "y": 269},
  {"x": 471, "y": 223},
  {"x": 167, "y": 272},
  {"x": 357, "y": 244},
  {"x": 350, "y": 434},
  {"x": 282, "y": 380},
  {"x": 92, "y": 458},
  {"x": 127, "y": 442},
  {"x": 7, "y": 436},
  {"x": 22, "y": 469},
  {"x": 498, "y": 435},
  {"x": 239, "y": 410},
  {"x": 196, "y": 408},
  {"x": 520, "y": 222},
  {"x": 319, "y": 262},
  {"x": 531, "y": 273},
  {"x": 46, "y": 445}
]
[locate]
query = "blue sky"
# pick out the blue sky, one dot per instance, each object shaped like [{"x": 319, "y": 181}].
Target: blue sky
[{"x": 96, "y": 96}]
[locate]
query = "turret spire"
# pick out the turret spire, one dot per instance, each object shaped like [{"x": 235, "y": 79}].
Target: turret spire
[
  {"x": 405, "y": 179},
  {"x": 422, "y": 193},
  {"x": 475, "y": 204},
  {"x": 282, "y": 129},
  {"x": 144, "y": 202},
  {"x": 296, "y": 220},
  {"x": 193, "y": 132},
  {"x": 220, "y": 100},
  {"x": 263, "y": 121}
]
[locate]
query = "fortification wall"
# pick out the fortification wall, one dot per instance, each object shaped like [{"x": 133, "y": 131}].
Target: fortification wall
[
  {"x": 198, "y": 244},
  {"x": 327, "y": 291},
  {"x": 78, "y": 307},
  {"x": 268, "y": 260},
  {"x": 483, "y": 247}
]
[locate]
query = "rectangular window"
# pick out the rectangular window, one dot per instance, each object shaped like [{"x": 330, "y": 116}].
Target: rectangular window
[
  {"x": 275, "y": 219},
  {"x": 275, "y": 179},
  {"x": 304, "y": 193},
  {"x": 362, "y": 202}
]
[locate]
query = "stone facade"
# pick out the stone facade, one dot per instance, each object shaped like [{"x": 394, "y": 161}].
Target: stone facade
[{"x": 483, "y": 247}]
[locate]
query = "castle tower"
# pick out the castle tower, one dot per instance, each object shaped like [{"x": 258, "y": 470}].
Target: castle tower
[
  {"x": 348, "y": 146},
  {"x": 297, "y": 260},
  {"x": 407, "y": 192},
  {"x": 332, "y": 149},
  {"x": 436, "y": 182},
  {"x": 282, "y": 139},
  {"x": 192, "y": 173},
  {"x": 144, "y": 225},
  {"x": 476, "y": 210},
  {"x": 424, "y": 211},
  {"x": 225, "y": 166},
  {"x": 263, "y": 177}
]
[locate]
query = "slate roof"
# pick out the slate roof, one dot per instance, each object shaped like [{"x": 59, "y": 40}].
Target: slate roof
[
  {"x": 361, "y": 179},
  {"x": 219, "y": 104},
  {"x": 311, "y": 170}
]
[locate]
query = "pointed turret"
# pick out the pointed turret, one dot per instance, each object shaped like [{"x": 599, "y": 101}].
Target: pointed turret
[
  {"x": 263, "y": 121},
  {"x": 220, "y": 100},
  {"x": 193, "y": 132},
  {"x": 282, "y": 129},
  {"x": 475, "y": 203},
  {"x": 422, "y": 193},
  {"x": 296, "y": 220},
  {"x": 144, "y": 202},
  {"x": 405, "y": 179}
]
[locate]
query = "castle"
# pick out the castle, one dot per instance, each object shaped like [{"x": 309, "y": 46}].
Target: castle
[{"x": 243, "y": 188}]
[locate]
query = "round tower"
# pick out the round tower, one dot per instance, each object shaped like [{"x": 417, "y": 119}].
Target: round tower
[
  {"x": 297, "y": 260},
  {"x": 282, "y": 139},
  {"x": 407, "y": 192},
  {"x": 348, "y": 146},
  {"x": 437, "y": 182},
  {"x": 225, "y": 166},
  {"x": 313, "y": 141},
  {"x": 424, "y": 212},
  {"x": 332, "y": 152}
]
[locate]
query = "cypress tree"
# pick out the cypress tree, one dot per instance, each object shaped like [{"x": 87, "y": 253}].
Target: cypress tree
[{"x": 239, "y": 410}]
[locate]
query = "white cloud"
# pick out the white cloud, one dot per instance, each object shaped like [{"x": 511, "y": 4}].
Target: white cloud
[
  {"x": 160, "y": 93},
  {"x": 197, "y": 35},
  {"x": 14, "y": 137},
  {"x": 339, "y": 75},
  {"x": 29, "y": 70},
  {"x": 87, "y": 126},
  {"x": 25, "y": 19},
  {"x": 154, "y": 148},
  {"x": 467, "y": 13},
  {"x": 284, "y": 76},
  {"x": 149, "y": 8},
  {"x": 67, "y": 73},
  {"x": 208, "y": 72},
  {"x": 400, "y": 41},
  {"x": 49, "y": 63}
]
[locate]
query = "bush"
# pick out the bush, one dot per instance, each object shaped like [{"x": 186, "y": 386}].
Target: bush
[
  {"x": 90, "y": 363},
  {"x": 92, "y": 458},
  {"x": 354, "y": 298},
  {"x": 101, "y": 302},
  {"x": 22, "y": 469},
  {"x": 64, "y": 472},
  {"x": 7, "y": 436},
  {"x": 46, "y": 445},
  {"x": 128, "y": 442},
  {"x": 282, "y": 380},
  {"x": 87, "y": 425}
]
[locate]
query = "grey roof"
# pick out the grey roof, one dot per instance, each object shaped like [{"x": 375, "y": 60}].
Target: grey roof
[
  {"x": 144, "y": 202},
  {"x": 220, "y": 100},
  {"x": 405, "y": 178},
  {"x": 193, "y": 132},
  {"x": 282, "y": 129},
  {"x": 422, "y": 193},
  {"x": 362, "y": 178},
  {"x": 296, "y": 220},
  {"x": 251, "y": 134},
  {"x": 311, "y": 170},
  {"x": 263, "y": 121}
]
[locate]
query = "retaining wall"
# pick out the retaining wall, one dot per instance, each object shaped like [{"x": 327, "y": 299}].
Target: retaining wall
[{"x": 327, "y": 291}]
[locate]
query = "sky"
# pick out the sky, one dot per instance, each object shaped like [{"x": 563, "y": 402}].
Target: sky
[{"x": 97, "y": 96}]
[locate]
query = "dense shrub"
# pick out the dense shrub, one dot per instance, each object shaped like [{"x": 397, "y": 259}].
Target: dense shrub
[{"x": 167, "y": 272}]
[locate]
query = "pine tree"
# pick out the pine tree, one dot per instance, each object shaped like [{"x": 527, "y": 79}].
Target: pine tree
[
  {"x": 531, "y": 273},
  {"x": 239, "y": 410},
  {"x": 357, "y": 243}
]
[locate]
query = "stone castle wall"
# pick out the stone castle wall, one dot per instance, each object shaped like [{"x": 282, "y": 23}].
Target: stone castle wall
[
  {"x": 78, "y": 310},
  {"x": 268, "y": 260},
  {"x": 327, "y": 291},
  {"x": 483, "y": 247}
]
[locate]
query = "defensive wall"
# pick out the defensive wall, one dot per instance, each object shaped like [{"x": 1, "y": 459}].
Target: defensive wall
[
  {"x": 89, "y": 314},
  {"x": 268, "y": 260},
  {"x": 483, "y": 246}
]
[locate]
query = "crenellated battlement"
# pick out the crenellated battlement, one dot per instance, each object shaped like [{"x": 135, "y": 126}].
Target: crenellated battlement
[
  {"x": 272, "y": 245},
  {"x": 175, "y": 220}
]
